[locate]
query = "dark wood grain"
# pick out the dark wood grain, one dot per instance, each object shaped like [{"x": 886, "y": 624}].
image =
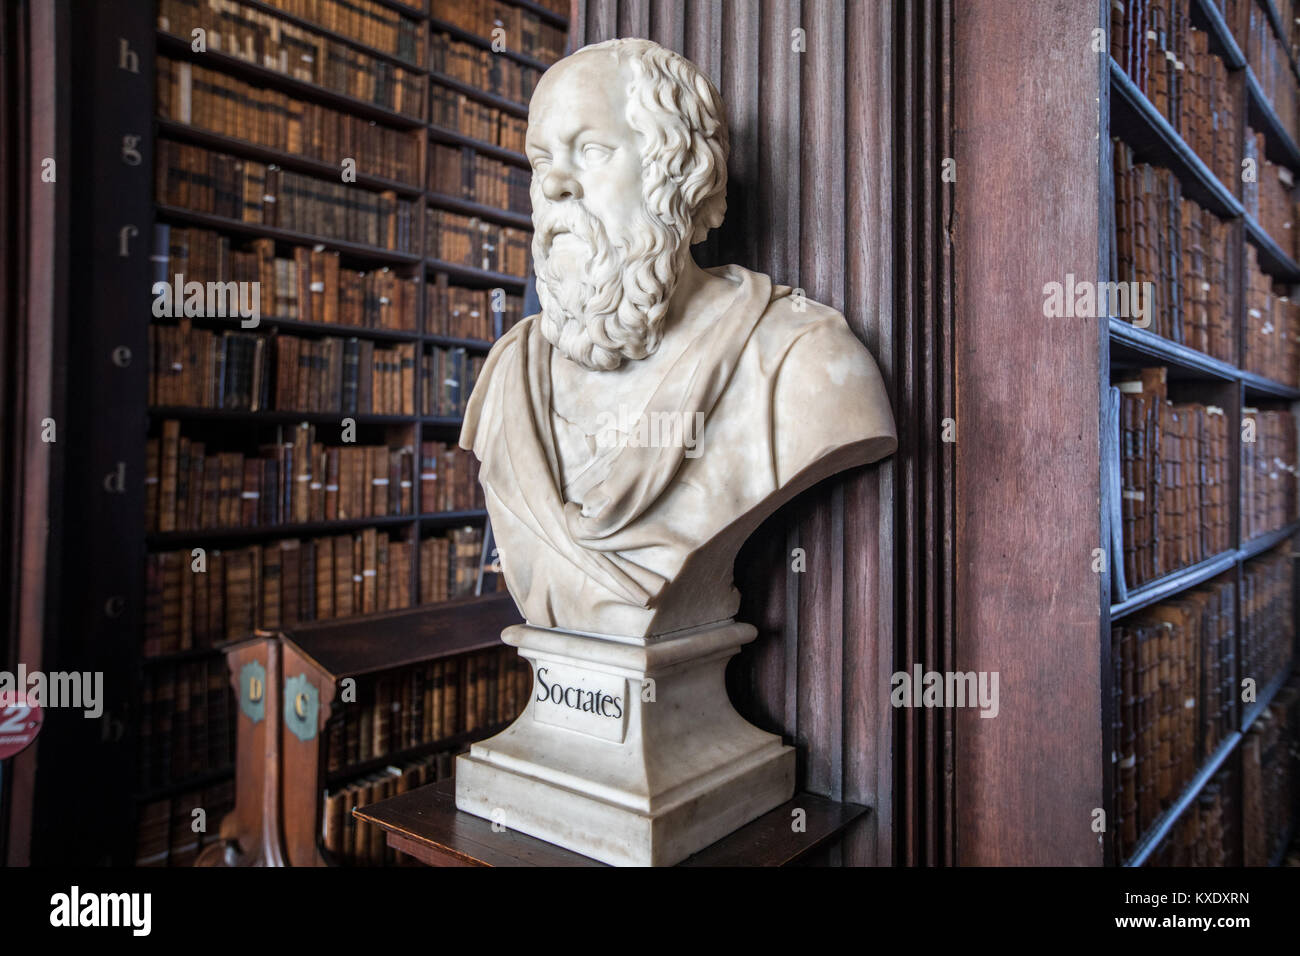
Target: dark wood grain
[
  {"x": 1027, "y": 477},
  {"x": 426, "y": 824}
]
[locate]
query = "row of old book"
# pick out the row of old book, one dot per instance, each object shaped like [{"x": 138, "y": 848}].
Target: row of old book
[
  {"x": 367, "y": 22},
  {"x": 470, "y": 241},
  {"x": 1269, "y": 60},
  {"x": 1272, "y": 327},
  {"x": 448, "y": 478},
  {"x": 170, "y": 833},
  {"x": 1220, "y": 828},
  {"x": 448, "y": 379},
  {"x": 292, "y": 480},
  {"x": 187, "y": 725},
  {"x": 351, "y": 842},
  {"x": 482, "y": 69},
  {"x": 1172, "y": 681},
  {"x": 449, "y": 566},
  {"x": 428, "y": 703},
  {"x": 226, "y": 105},
  {"x": 464, "y": 173},
  {"x": 1267, "y": 195},
  {"x": 1170, "y": 61},
  {"x": 218, "y": 184},
  {"x": 1267, "y": 623},
  {"x": 273, "y": 43},
  {"x": 467, "y": 116},
  {"x": 525, "y": 32},
  {"x": 1174, "y": 469},
  {"x": 481, "y": 314},
  {"x": 195, "y": 602},
  {"x": 1268, "y": 471},
  {"x": 247, "y": 371},
  {"x": 1183, "y": 251},
  {"x": 309, "y": 285}
]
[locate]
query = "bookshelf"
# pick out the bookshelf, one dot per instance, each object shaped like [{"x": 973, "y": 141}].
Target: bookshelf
[
  {"x": 1189, "y": 804},
  {"x": 247, "y": 143}
]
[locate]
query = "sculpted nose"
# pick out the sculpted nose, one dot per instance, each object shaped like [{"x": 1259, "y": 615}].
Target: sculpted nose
[{"x": 558, "y": 185}]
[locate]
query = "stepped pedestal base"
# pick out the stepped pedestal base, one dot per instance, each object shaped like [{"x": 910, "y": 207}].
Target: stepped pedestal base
[{"x": 628, "y": 750}]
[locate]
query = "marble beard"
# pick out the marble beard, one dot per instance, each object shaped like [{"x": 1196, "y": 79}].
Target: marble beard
[{"x": 619, "y": 550}]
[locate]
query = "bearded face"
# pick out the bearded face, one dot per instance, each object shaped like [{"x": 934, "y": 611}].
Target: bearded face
[{"x": 605, "y": 297}]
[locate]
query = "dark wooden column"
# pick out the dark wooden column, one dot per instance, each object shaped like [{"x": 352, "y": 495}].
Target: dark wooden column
[{"x": 1026, "y": 101}]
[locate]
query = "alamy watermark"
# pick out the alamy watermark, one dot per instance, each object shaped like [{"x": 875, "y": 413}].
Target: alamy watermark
[
  {"x": 650, "y": 430},
  {"x": 75, "y": 689},
  {"x": 220, "y": 300},
  {"x": 946, "y": 689},
  {"x": 1084, "y": 299}
]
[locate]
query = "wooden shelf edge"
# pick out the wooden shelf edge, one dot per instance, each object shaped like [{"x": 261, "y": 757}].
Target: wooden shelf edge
[
  {"x": 272, "y": 416},
  {"x": 1167, "y": 148},
  {"x": 1275, "y": 131},
  {"x": 174, "y": 129},
  {"x": 1273, "y": 259},
  {"x": 357, "y": 250},
  {"x": 1165, "y": 822},
  {"x": 1165, "y": 586},
  {"x": 329, "y": 34},
  {"x": 1148, "y": 343},
  {"x": 174, "y": 539},
  {"x": 1264, "y": 542},
  {"x": 471, "y": 274},
  {"x": 457, "y": 138},
  {"x": 1220, "y": 33},
  {"x": 175, "y": 46},
  {"x": 465, "y": 36},
  {"x": 485, "y": 97},
  {"x": 468, "y": 207}
]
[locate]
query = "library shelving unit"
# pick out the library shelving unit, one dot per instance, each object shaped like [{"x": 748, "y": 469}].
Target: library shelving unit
[
  {"x": 1131, "y": 118},
  {"x": 384, "y": 49}
]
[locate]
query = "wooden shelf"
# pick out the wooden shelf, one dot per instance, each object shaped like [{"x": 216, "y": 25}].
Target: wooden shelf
[
  {"x": 1273, "y": 259},
  {"x": 450, "y": 136},
  {"x": 232, "y": 324},
  {"x": 274, "y": 416},
  {"x": 454, "y": 742},
  {"x": 506, "y": 217},
  {"x": 1257, "y": 546},
  {"x": 1278, "y": 144},
  {"x": 395, "y": 640},
  {"x": 448, "y": 341},
  {"x": 1267, "y": 388},
  {"x": 1143, "y": 344},
  {"x": 479, "y": 277},
  {"x": 245, "y": 69},
  {"x": 336, "y": 37},
  {"x": 1206, "y": 16},
  {"x": 541, "y": 12},
  {"x": 464, "y": 36},
  {"x": 482, "y": 96},
  {"x": 1136, "y": 121},
  {"x": 426, "y": 824},
  {"x": 266, "y": 154},
  {"x": 447, "y": 519},
  {"x": 159, "y": 540},
  {"x": 1172, "y": 583},
  {"x": 354, "y": 250}
]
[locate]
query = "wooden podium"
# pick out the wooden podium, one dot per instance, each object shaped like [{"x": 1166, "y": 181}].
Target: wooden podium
[{"x": 426, "y": 825}]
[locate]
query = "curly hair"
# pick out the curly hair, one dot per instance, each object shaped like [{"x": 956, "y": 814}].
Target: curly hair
[{"x": 678, "y": 114}]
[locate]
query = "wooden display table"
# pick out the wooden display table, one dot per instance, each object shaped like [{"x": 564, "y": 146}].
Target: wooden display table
[{"x": 425, "y": 824}]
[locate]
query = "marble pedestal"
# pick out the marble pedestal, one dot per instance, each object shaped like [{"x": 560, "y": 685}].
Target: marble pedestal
[{"x": 629, "y": 750}]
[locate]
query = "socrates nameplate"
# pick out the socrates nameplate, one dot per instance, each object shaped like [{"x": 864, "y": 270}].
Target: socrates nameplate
[{"x": 578, "y": 699}]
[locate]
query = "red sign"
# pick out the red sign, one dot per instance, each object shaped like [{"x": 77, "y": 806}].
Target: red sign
[{"x": 19, "y": 725}]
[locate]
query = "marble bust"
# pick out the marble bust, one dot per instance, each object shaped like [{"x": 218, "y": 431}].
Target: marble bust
[
  {"x": 635, "y": 432},
  {"x": 632, "y": 435}
]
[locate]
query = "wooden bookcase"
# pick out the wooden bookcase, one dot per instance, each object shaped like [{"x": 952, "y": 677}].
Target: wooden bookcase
[
  {"x": 114, "y": 48},
  {"x": 1129, "y": 116}
]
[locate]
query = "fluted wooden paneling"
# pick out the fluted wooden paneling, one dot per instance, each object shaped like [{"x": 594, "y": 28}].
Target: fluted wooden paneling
[{"x": 811, "y": 202}]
